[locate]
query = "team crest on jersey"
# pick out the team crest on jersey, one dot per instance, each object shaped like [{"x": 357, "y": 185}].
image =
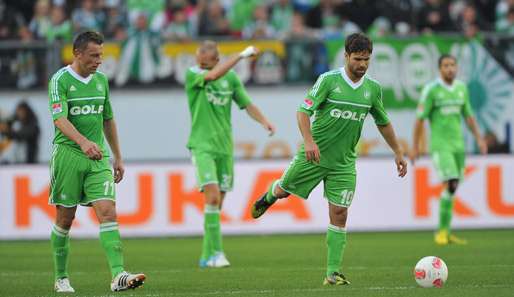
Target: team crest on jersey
[
  {"x": 56, "y": 108},
  {"x": 99, "y": 88},
  {"x": 224, "y": 84},
  {"x": 307, "y": 103}
]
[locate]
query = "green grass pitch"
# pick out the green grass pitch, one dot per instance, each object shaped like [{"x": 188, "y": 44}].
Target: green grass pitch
[{"x": 377, "y": 264}]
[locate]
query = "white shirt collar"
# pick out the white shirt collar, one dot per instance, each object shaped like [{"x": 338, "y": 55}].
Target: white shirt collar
[
  {"x": 84, "y": 80},
  {"x": 352, "y": 84},
  {"x": 445, "y": 84}
]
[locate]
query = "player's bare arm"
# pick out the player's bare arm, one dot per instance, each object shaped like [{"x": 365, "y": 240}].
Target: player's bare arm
[
  {"x": 418, "y": 131},
  {"x": 255, "y": 113},
  {"x": 388, "y": 134},
  {"x": 311, "y": 148},
  {"x": 111, "y": 134},
  {"x": 208, "y": 58},
  {"x": 473, "y": 127},
  {"x": 88, "y": 147}
]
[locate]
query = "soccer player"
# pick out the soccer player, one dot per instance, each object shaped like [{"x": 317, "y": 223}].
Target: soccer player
[
  {"x": 211, "y": 87},
  {"x": 79, "y": 168},
  {"x": 340, "y": 101},
  {"x": 443, "y": 102}
]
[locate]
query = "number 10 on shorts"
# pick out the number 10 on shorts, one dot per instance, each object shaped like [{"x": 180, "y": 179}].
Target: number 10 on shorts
[{"x": 346, "y": 198}]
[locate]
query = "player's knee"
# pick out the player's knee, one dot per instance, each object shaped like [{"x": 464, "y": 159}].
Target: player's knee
[
  {"x": 279, "y": 192},
  {"x": 452, "y": 186},
  {"x": 106, "y": 215},
  {"x": 65, "y": 222},
  {"x": 338, "y": 216}
]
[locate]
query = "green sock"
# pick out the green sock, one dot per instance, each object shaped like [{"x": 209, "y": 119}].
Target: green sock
[
  {"x": 212, "y": 227},
  {"x": 336, "y": 241},
  {"x": 60, "y": 246},
  {"x": 270, "y": 198},
  {"x": 207, "y": 247},
  {"x": 445, "y": 211},
  {"x": 111, "y": 242}
]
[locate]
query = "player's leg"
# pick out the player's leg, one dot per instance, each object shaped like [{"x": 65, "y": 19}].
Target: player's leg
[
  {"x": 100, "y": 194},
  {"x": 66, "y": 180},
  {"x": 299, "y": 179},
  {"x": 207, "y": 180},
  {"x": 60, "y": 241},
  {"x": 339, "y": 191},
  {"x": 452, "y": 189},
  {"x": 447, "y": 170}
]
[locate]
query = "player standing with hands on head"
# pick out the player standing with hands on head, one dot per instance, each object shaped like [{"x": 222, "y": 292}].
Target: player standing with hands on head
[
  {"x": 340, "y": 100},
  {"x": 211, "y": 86},
  {"x": 444, "y": 102},
  {"x": 79, "y": 168}
]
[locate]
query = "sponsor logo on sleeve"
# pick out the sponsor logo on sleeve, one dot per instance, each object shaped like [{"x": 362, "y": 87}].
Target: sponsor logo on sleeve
[
  {"x": 56, "y": 108},
  {"x": 307, "y": 103}
]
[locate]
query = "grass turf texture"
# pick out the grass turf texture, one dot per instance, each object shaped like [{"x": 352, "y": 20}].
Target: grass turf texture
[{"x": 377, "y": 264}]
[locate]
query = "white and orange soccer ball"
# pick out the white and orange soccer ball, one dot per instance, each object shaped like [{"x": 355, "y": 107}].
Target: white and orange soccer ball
[{"x": 430, "y": 272}]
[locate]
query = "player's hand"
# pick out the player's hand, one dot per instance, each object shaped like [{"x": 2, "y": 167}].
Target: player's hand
[
  {"x": 119, "y": 170},
  {"x": 250, "y": 51},
  {"x": 270, "y": 128},
  {"x": 482, "y": 146},
  {"x": 91, "y": 150},
  {"x": 311, "y": 151},
  {"x": 401, "y": 165}
]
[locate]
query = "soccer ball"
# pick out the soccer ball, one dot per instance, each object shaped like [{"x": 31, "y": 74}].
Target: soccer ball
[{"x": 430, "y": 272}]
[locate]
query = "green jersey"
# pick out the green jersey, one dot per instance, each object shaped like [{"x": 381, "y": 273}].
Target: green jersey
[
  {"x": 339, "y": 107},
  {"x": 210, "y": 105},
  {"x": 444, "y": 106},
  {"x": 84, "y": 102}
]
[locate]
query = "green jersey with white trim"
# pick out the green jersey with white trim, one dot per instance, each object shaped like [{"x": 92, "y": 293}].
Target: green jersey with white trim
[
  {"x": 444, "y": 106},
  {"x": 210, "y": 105},
  {"x": 339, "y": 107},
  {"x": 84, "y": 102}
]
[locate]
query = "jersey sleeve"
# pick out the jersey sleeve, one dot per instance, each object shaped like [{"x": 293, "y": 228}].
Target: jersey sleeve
[
  {"x": 377, "y": 110},
  {"x": 195, "y": 78},
  {"x": 316, "y": 96},
  {"x": 467, "y": 111},
  {"x": 107, "y": 113},
  {"x": 58, "y": 103},
  {"x": 241, "y": 97},
  {"x": 425, "y": 103}
]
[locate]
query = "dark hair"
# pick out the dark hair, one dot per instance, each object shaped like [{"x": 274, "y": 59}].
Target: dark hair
[
  {"x": 30, "y": 114},
  {"x": 358, "y": 42},
  {"x": 83, "y": 39},
  {"x": 445, "y": 56}
]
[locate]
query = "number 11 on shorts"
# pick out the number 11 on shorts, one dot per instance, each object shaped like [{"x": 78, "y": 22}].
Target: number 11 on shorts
[{"x": 109, "y": 188}]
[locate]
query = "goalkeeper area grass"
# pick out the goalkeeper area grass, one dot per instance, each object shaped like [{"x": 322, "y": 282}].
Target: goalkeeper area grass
[{"x": 377, "y": 264}]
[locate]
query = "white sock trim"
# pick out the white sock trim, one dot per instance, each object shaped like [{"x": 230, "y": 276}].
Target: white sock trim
[
  {"x": 337, "y": 228},
  {"x": 209, "y": 208},
  {"x": 111, "y": 226},
  {"x": 60, "y": 231}
]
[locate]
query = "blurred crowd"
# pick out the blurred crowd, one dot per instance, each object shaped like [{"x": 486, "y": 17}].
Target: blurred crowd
[
  {"x": 19, "y": 135},
  {"x": 182, "y": 20}
]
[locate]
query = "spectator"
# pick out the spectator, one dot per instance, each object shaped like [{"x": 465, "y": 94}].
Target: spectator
[
  {"x": 434, "y": 16},
  {"x": 259, "y": 27},
  {"x": 23, "y": 131},
  {"x": 298, "y": 30},
  {"x": 179, "y": 29},
  {"x": 281, "y": 16},
  {"x": 240, "y": 13},
  {"x": 399, "y": 14},
  {"x": 41, "y": 20},
  {"x": 505, "y": 16},
  {"x": 86, "y": 17},
  {"x": 10, "y": 22},
  {"x": 469, "y": 22},
  {"x": 116, "y": 21},
  {"x": 60, "y": 27},
  {"x": 212, "y": 20},
  {"x": 153, "y": 11},
  {"x": 323, "y": 16}
]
